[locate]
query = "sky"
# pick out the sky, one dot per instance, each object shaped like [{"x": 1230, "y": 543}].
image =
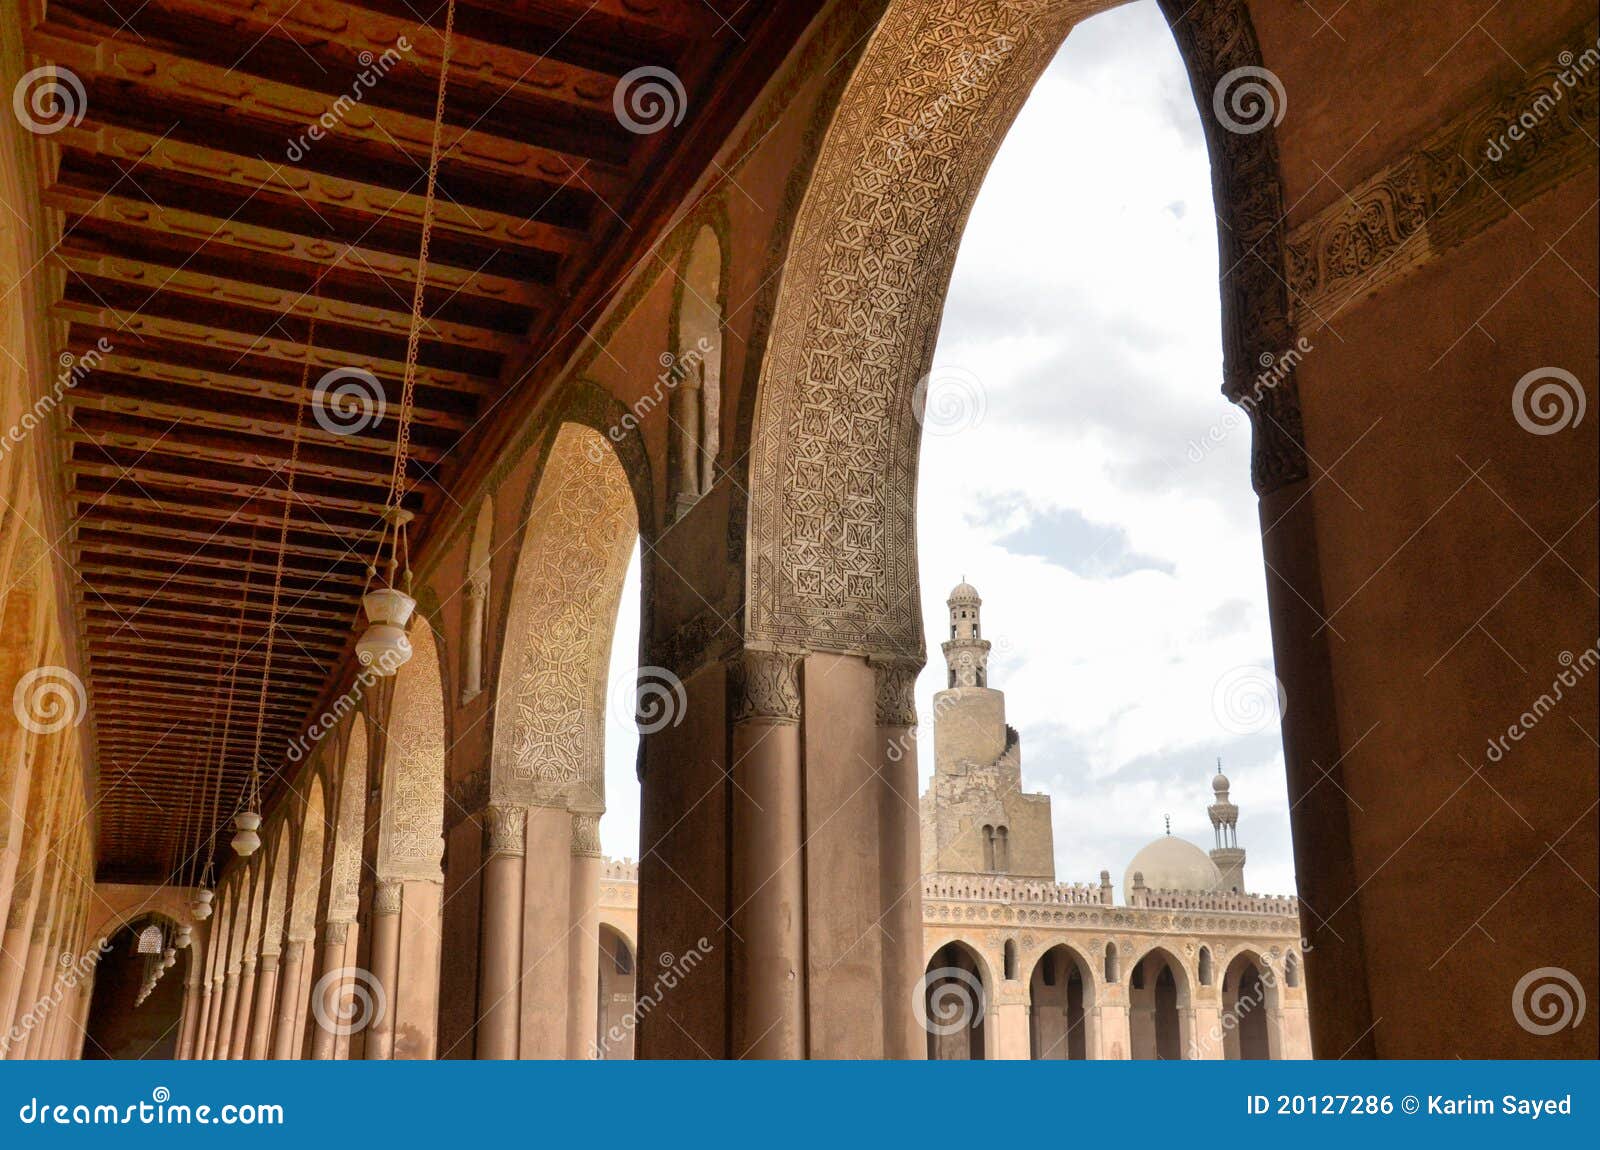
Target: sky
[{"x": 1081, "y": 468}]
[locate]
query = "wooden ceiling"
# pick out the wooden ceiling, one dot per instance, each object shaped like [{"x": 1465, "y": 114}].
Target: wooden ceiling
[{"x": 205, "y": 238}]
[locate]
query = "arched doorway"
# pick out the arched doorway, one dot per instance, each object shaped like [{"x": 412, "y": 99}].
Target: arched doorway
[
  {"x": 1060, "y": 1005},
  {"x": 119, "y": 1025},
  {"x": 1249, "y": 997},
  {"x": 1159, "y": 1013},
  {"x": 954, "y": 1004},
  {"x": 617, "y": 989}
]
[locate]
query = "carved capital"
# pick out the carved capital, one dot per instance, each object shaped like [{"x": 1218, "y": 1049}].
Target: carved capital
[
  {"x": 506, "y": 828},
  {"x": 478, "y": 585},
  {"x": 386, "y": 898},
  {"x": 585, "y": 834},
  {"x": 897, "y": 692},
  {"x": 766, "y": 685},
  {"x": 336, "y": 932}
]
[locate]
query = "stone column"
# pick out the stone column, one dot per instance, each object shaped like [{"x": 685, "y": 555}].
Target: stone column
[
  {"x": 31, "y": 978},
  {"x": 1115, "y": 1031},
  {"x": 290, "y": 975},
  {"x": 583, "y": 938},
  {"x": 266, "y": 1001},
  {"x": 1314, "y": 758},
  {"x": 246, "y": 1010},
  {"x": 385, "y": 956},
  {"x": 500, "y": 949},
  {"x": 1206, "y": 1030},
  {"x": 1009, "y": 1023},
  {"x": 202, "y": 1022},
  {"x": 900, "y": 858},
  {"x": 477, "y": 597},
  {"x": 191, "y": 1010},
  {"x": 415, "y": 1001},
  {"x": 546, "y": 894},
  {"x": 328, "y": 992},
  {"x": 349, "y": 994},
  {"x": 768, "y": 890},
  {"x": 225, "y": 1016},
  {"x": 14, "y": 954}
]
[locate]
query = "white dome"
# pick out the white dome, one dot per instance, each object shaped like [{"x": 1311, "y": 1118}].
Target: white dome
[{"x": 1171, "y": 863}]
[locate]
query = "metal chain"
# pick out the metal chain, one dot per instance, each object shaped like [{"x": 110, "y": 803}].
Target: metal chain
[
  {"x": 402, "y": 447},
  {"x": 253, "y": 798},
  {"x": 227, "y": 722}
]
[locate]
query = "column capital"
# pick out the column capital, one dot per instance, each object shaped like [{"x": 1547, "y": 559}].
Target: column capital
[
  {"x": 586, "y": 834},
  {"x": 269, "y": 962},
  {"x": 386, "y": 897},
  {"x": 506, "y": 828},
  {"x": 766, "y": 685},
  {"x": 897, "y": 691},
  {"x": 335, "y": 931}
]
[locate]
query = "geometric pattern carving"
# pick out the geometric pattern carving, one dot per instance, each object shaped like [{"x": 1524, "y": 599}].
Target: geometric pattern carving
[
  {"x": 349, "y": 824},
  {"x": 832, "y": 563},
  {"x": 765, "y": 685},
  {"x": 549, "y": 739}
]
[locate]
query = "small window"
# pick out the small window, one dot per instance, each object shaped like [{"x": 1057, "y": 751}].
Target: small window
[
  {"x": 988, "y": 848},
  {"x": 1205, "y": 966},
  {"x": 1291, "y": 969},
  {"x": 1011, "y": 959},
  {"x": 1047, "y": 968},
  {"x": 1111, "y": 962},
  {"x": 1137, "y": 982}
]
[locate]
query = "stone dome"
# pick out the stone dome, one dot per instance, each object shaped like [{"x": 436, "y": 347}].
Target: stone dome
[
  {"x": 1171, "y": 863},
  {"x": 1219, "y": 782},
  {"x": 964, "y": 592}
]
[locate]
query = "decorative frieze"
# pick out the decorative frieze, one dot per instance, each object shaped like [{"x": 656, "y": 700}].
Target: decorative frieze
[{"x": 765, "y": 685}]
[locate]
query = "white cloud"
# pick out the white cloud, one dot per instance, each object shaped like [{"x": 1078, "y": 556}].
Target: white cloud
[{"x": 1085, "y": 301}]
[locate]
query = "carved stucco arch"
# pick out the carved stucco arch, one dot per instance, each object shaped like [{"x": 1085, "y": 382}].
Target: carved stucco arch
[
  {"x": 561, "y": 611},
  {"x": 832, "y": 553},
  {"x": 349, "y": 824},
  {"x": 308, "y": 862},
  {"x": 277, "y": 888},
  {"x": 411, "y": 838}
]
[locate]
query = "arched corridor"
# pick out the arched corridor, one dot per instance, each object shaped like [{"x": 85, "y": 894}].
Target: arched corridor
[
  {"x": 322, "y": 462},
  {"x": 956, "y": 999},
  {"x": 1061, "y": 1006}
]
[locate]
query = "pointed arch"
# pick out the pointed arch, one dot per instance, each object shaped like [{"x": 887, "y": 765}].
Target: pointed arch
[
  {"x": 550, "y": 696},
  {"x": 411, "y": 841},
  {"x": 349, "y": 825},
  {"x": 1062, "y": 1020},
  {"x": 695, "y": 372}
]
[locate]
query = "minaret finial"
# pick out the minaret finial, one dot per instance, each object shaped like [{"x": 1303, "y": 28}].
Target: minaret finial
[
  {"x": 1169, "y": 823},
  {"x": 1219, "y": 764}
]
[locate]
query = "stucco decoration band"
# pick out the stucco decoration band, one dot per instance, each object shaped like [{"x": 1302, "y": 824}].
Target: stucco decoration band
[
  {"x": 896, "y": 682},
  {"x": 765, "y": 685},
  {"x": 832, "y": 557},
  {"x": 507, "y": 830}
]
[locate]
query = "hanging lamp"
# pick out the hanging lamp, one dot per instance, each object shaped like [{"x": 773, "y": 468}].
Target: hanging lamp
[{"x": 383, "y": 645}]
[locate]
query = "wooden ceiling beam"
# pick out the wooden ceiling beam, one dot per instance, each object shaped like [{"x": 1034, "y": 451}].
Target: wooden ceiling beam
[{"x": 155, "y": 469}]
